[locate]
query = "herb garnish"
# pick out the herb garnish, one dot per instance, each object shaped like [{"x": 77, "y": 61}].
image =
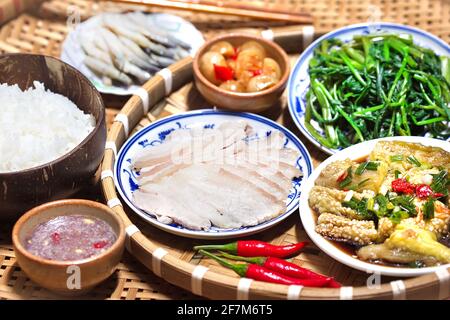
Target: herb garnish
[
  {"x": 396, "y": 208},
  {"x": 361, "y": 207},
  {"x": 440, "y": 183},
  {"x": 397, "y": 157},
  {"x": 369, "y": 165},
  {"x": 428, "y": 209},
  {"x": 413, "y": 160},
  {"x": 348, "y": 178}
]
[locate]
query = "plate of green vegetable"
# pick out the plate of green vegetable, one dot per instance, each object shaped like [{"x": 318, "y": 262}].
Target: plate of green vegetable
[{"x": 370, "y": 81}]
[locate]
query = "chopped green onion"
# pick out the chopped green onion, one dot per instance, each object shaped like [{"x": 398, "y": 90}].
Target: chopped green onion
[
  {"x": 397, "y": 157},
  {"x": 440, "y": 182},
  {"x": 398, "y": 216},
  {"x": 361, "y": 183},
  {"x": 413, "y": 160},
  {"x": 428, "y": 209},
  {"x": 369, "y": 165},
  {"x": 348, "y": 179},
  {"x": 370, "y": 204}
]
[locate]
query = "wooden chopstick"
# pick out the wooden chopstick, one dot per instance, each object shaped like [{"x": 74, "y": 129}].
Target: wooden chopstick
[{"x": 226, "y": 9}]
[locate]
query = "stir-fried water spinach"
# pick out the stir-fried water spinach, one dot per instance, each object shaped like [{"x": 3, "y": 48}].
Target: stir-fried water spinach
[{"x": 377, "y": 86}]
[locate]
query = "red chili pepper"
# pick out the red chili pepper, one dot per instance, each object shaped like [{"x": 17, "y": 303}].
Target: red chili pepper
[
  {"x": 56, "y": 237},
  {"x": 256, "y": 72},
  {"x": 236, "y": 53},
  {"x": 254, "y": 248},
  {"x": 284, "y": 267},
  {"x": 400, "y": 185},
  {"x": 342, "y": 176},
  {"x": 223, "y": 73},
  {"x": 100, "y": 244},
  {"x": 423, "y": 191},
  {"x": 257, "y": 272}
]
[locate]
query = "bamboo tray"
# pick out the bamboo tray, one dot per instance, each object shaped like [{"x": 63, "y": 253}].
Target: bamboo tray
[{"x": 170, "y": 257}]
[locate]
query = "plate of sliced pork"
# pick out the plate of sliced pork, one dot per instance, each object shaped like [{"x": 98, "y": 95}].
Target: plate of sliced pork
[{"x": 212, "y": 174}]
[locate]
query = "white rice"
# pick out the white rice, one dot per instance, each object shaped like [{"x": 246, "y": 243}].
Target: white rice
[{"x": 38, "y": 126}]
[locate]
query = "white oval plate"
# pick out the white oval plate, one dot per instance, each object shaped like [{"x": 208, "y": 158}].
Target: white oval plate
[
  {"x": 155, "y": 133},
  {"x": 73, "y": 54},
  {"x": 298, "y": 83},
  {"x": 308, "y": 216}
]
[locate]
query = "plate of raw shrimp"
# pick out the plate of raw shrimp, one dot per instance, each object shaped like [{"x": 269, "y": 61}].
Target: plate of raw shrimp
[{"x": 119, "y": 52}]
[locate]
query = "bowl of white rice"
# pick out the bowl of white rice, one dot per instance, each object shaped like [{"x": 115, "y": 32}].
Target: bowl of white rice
[{"x": 52, "y": 132}]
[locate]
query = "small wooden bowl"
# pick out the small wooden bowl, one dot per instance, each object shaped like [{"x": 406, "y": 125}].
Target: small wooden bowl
[
  {"x": 65, "y": 176},
  {"x": 252, "y": 102},
  {"x": 55, "y": 275}
]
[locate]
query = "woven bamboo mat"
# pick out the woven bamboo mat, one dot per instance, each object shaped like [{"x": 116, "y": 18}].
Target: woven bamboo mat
[{"x": 43, "y": 30}]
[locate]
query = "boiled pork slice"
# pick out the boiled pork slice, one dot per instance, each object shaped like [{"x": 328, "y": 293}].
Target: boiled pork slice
[{"x": 229, "y": 180}]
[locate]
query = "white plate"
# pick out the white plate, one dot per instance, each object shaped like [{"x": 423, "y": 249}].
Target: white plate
[
  {"x": 298, "y": 83},
  {"x": 308, "y": 216},
  {"x": 155, "y": 134},
  {"x": 73, "y": 54}
]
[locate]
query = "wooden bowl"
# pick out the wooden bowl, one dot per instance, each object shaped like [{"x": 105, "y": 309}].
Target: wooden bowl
[
  {"x": 252, "y": 102},
  {"x": 63, "y": 177},
  {"x": 56, "y": 275}
]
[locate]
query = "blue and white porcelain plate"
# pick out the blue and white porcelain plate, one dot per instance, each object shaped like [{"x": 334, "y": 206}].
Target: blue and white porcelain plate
[
  {"x": 156, "y": 133},
  {"x": 298, "y": 83}
]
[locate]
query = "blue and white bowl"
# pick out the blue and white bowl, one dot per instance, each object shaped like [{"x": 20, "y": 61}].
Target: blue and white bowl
[
  {"x": 156, "y": 133},
  {"x": 298, "y": 83}
]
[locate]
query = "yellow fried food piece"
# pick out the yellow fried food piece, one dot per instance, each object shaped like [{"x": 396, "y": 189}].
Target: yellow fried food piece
[
  {"x": 412, "y": 238},
  {"x": 431, "y": 156}
]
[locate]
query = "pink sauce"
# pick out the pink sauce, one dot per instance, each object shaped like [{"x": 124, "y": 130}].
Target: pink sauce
[{"x": 72, "y": 237}]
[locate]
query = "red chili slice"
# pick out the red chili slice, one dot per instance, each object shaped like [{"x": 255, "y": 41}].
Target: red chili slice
[
  {"x": 236, "y": 53},
  {"x": 256, "y": 72},
  {"x": 100, "y": 244},
  {"x": 56, "y": 237},
  {"x": 223, "y": 73},
  {"x": 342, "y": 176},
  {"x": 423, "y": 191},
  {"x": 402, "y": 186}
]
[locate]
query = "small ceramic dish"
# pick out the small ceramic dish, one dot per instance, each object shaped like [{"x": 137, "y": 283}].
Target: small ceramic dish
[
  {"x": 309, "y": 217},
  {"x": 251, "y": 102},
  {"x": 68, "y": 277}
]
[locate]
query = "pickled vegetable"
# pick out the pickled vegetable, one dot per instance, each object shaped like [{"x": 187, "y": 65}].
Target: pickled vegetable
[
  {"x": 271, "y": 68},
  {"x": 261, "y": 82},
  {"x": 224, "y": 48},
  {"x": 233, "y": 85},
  {"x": 207, "y": 63},
  {"x": 240, "y": 69}
]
